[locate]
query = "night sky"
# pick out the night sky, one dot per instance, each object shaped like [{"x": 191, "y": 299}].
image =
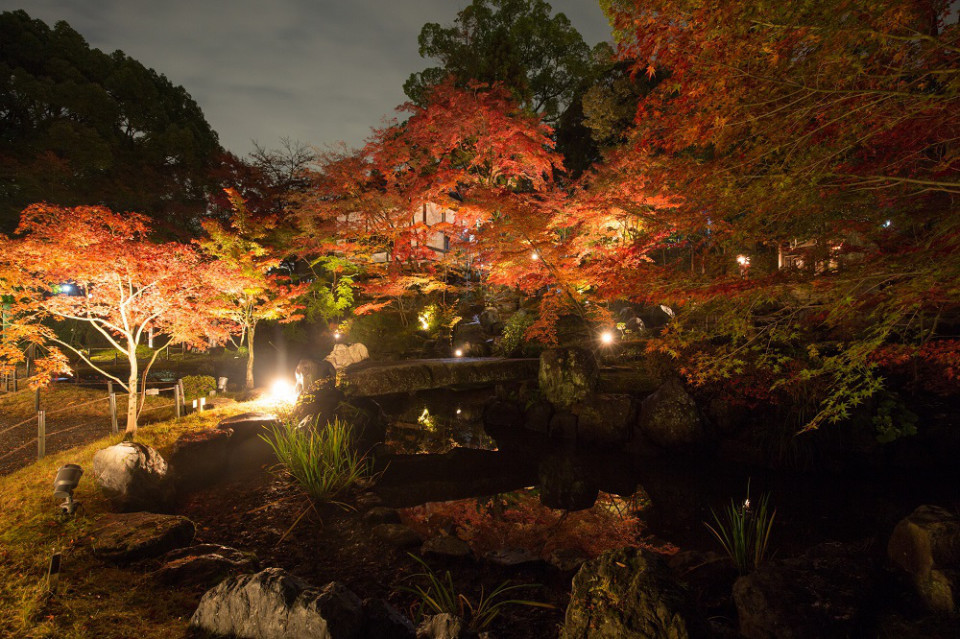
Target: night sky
[{"x": 317, "y": 71}]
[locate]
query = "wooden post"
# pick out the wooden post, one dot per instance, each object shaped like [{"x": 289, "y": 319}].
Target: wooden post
[
  {"x": 36, "y": 401},
  {"x": 113, "y": 412},
  {"x": 15, "y": 389},
  {"x": 176, "y": 399},
  {"x": 41, "y": 434}
]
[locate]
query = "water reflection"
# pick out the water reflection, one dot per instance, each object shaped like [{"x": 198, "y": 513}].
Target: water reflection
[{"x": 436, "y": 423}]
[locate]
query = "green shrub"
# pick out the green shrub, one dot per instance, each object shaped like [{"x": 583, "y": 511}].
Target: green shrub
[
  {"x": 744, "y": 531},
  {"x": 196, "y": 386},
  {"x": 384, "y": 333},
  {"x": 321, "y": 459},
  {"x": 514, "y": 340}
]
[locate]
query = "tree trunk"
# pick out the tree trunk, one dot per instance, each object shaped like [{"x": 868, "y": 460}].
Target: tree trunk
[
  {"x": 131, "y": 429},
  {"x": 250, "y": 335}
]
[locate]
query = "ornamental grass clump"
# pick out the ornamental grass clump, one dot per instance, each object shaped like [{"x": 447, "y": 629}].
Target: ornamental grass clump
[
  {"x": 439, "y": 596},
  {"x": 322, "y": 459},
  {"x": 744, "y": 531}
]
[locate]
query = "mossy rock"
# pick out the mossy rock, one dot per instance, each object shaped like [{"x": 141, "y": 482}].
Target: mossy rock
[
  {"x": 567, "y": 375},
  {"x": 628, "y": 593}
]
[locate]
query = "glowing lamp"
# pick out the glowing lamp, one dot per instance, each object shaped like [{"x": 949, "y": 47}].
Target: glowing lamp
[
  {"x": 534, "y": 256},
  {"x": 458, "y": 353},
  {"x": 606, "y": 337},
  {"x": 336, "y": 335},
  {"x": 743, "y": 260},
  {"x": 282, "y": 392}
]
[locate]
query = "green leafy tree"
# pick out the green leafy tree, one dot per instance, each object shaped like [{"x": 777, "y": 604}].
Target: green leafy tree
[
  {"x": 331, "y": 293},
  {"x": 540, "y": 57},
  {"x": 79, "y": 126}
]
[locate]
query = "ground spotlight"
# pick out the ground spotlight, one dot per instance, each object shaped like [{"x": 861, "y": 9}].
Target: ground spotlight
[
  {"x": 458, "y": 353},
  {"x": 606, "y": 337},
  {"x": 63, "y": 486}
]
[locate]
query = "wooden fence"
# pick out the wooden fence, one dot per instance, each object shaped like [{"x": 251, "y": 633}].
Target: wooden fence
[{"x": 111, "y": 398}]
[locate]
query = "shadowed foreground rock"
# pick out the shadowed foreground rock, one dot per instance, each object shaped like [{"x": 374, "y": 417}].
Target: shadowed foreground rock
[
  {"x": 273, "y": 604},
  {"x": 823, "y": 593},
  {"x": 203, "y": 566},
  {"x": 124, "y": 537},
  {"x": 132, "y": 476},
  {"x": 628, "y": 593},
  {"x": 927, "y": 546}
]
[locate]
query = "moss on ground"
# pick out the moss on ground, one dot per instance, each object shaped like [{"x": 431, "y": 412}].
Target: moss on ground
[{"x": 91, "y": 599}]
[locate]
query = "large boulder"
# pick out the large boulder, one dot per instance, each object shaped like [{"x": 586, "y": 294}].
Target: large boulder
[
  {"x": 490, "y": 320},
  {"x": 567, "y": 375},
  {"x": 132, "y": 476},
  {"x": 501, "y": 413},
  {"x": 655, "y": 317},
  {"x": 566, "y": 483},
  {"x": 273, "y": 604},
  {"x": 926, "y": 544},
  {"x": 249, "y": 425},
  {"x": 247, "y": 449},
  {"x": 470, "y": 339},
  {"x": 628, "y": 593},
  {"x": 537, "y": 416},
  {"x": 310, "y": 372},
  {"x": 199, "y": 458},
  {"x": 319, "y": 405},
  {"x": 671, "y": 419},
  {"x": 125, "y": 537},
  {"x": 606, "y": 419},
  {"x": 382, "y": 621},
  {"x": 343, "y": 356},
  {"x": 203, "y": 565},
  {"x": 825, "y": 592}
]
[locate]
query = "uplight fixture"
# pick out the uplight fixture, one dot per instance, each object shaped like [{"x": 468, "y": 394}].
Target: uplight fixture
[{"x": 68, "y": 477}]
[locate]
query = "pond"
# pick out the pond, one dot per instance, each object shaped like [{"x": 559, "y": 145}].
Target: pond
[{"x": 531, "y": 508}]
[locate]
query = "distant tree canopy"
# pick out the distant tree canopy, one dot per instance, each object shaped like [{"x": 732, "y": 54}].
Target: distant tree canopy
[
  {"x": 541, "y": 58},
  {"x": 79, "y": 126}
]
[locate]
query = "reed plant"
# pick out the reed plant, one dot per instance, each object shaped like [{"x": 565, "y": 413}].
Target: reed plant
[
  {"x": 744, "y": 531},
  {"x": 322, "y": 459},
  {"x": 439, "y": 596}
]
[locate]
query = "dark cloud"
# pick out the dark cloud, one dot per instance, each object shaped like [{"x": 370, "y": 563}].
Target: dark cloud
[{"x": 318, "y": 71}]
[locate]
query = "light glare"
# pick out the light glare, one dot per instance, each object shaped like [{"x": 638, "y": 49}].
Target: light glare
[{"x": 282, "y": 392}]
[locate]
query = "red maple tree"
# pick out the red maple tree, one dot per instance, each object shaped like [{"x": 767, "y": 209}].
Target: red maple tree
[{"x": 100, "y": 268}]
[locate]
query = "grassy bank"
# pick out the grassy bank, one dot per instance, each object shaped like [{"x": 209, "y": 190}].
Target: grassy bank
[{"x": 91, "y": 599}]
